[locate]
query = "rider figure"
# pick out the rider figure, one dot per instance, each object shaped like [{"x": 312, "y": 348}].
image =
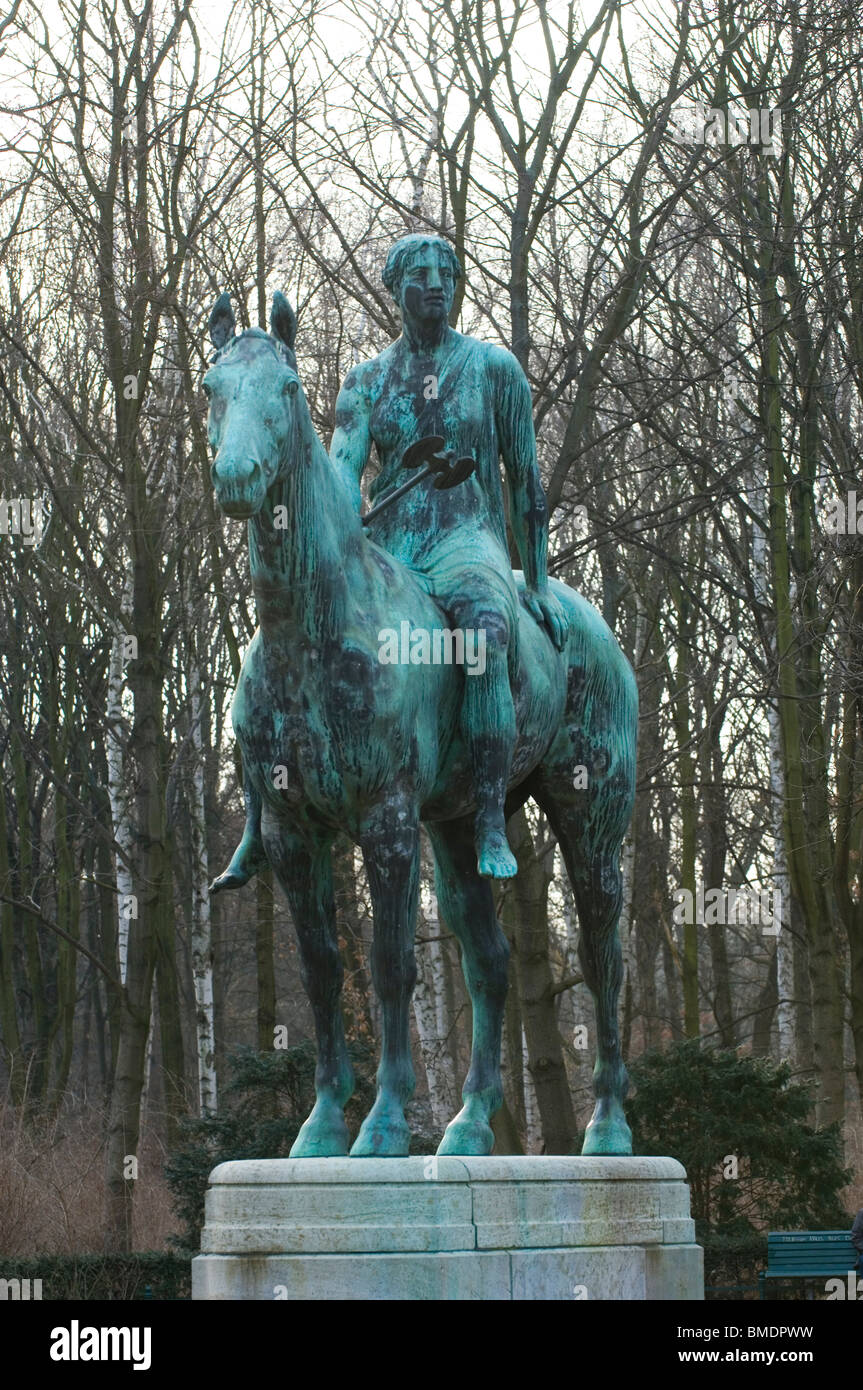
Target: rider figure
[{"x": 435, "y": 381}]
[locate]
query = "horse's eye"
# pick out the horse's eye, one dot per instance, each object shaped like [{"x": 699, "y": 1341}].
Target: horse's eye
[
  {"x": 208, "y": 391},
  {"x": 290, "y": 387}
]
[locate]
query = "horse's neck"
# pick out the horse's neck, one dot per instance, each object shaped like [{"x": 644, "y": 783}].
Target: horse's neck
[{"x": 305, "y": 543}]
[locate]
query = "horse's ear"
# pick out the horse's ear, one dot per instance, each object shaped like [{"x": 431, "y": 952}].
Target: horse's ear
[
  {"x": 283, "y": 321},
  {"x": 222, "y": 321}
]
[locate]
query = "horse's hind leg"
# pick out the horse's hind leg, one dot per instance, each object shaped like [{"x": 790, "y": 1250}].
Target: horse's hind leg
[
  {"x": 305, "y": 873},
  {"x": 467, "y": 905},
  {"x": 389, "y": 838},
  {"x": 590, "y": 841}
]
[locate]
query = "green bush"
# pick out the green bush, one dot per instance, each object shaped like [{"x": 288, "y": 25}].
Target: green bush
[
  {"x": 705, "y": 1106},
  {"x": 732, "y": 1264},
  {"x": 113, "y": 1278}
]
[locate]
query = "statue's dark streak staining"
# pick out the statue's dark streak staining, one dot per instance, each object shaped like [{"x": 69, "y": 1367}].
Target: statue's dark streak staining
[{"x": 333, "y": 739}]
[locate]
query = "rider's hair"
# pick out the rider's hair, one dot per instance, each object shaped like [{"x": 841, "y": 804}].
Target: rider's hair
[{"x": 407, "y": 246}]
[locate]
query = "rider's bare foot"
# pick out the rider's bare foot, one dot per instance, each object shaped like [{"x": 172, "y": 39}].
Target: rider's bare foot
[
  {"x": 248, "y": 859},
  {"x": 494, "y": 858}
]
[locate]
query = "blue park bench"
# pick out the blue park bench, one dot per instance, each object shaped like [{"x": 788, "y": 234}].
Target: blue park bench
[{"x": 807, "y": 1255}]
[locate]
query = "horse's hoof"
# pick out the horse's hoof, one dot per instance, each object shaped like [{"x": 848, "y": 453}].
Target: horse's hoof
[
  {"x": 494, "y": 857},
  {"x": 466, "y": 1138},
  {"x": 382, "y": 1136},
  {"x": 324, "y": 1135},
  {"x": 607, "y": 1136},
  {"x": 382, "y": 1141}
]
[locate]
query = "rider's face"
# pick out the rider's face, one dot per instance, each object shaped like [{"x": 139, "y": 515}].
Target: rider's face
[{"x": 427, "y": 287}]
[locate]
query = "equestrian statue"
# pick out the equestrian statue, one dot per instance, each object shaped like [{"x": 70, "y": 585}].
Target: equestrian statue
[{"x": 402, "y": 673}]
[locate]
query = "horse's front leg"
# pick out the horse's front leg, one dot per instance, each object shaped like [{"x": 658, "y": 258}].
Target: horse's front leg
[
  {"x": 466, "y": 904},
  {"x": 598, "y": 896},
  {"x": 390, "y": 843},
  {"x": 305, "y": 873}
]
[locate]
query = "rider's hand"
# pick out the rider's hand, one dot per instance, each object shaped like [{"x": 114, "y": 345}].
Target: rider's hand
[{"x": 550, "y": 613}]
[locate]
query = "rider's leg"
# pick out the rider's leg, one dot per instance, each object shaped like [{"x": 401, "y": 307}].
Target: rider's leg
[
  {"x": 488, "y": 729},
  {"x": 249, "y": 856}
]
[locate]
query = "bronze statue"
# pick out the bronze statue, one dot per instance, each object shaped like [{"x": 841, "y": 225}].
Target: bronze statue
[{"x": 402, "y": 673}]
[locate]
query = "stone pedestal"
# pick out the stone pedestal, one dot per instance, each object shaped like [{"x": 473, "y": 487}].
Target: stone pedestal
[{"x": 449, "y": 1228}]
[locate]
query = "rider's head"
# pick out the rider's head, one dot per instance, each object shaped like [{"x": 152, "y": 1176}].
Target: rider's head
[{"x": 421, "y": 273}]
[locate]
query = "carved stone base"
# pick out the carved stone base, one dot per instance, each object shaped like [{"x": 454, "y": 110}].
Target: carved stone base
[{"x": 449, "y": 1228}]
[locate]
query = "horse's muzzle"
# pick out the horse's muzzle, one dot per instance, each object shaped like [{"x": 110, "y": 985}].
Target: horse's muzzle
[{"x": 240, "y": 488}]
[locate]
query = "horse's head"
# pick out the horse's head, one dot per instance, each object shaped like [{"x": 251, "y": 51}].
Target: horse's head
[{"x": 251, "y": 386}]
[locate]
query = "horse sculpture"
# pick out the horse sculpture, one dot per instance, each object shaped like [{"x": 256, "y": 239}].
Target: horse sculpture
[{"x": 335, "y": 739}]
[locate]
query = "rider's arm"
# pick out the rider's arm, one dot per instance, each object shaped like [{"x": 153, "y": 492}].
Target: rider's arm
[
  {"x": 352, "y": 441},
  {"x": 528, "y": 512}
]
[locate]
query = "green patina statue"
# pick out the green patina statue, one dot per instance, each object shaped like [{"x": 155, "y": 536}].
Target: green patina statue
[
  {"x": 402, "y": 673},
  {"x": 434, "y": 381}
]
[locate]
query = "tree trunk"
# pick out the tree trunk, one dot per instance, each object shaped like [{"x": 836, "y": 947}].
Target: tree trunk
[
  {"x": 265, "y": 962},
  {"x": 782, "y": 899},
  {"x": 682, "y": 717},
  {"x": 715, "y": 815},
  {"x": 804, "y": 825},
  {"x": 202, "y": 939},
  {"x": 512, "y": 1056},
  {"x": 116, "y": 738},
  {"x": 432, "y": 1019},
  {"x": 768, "y": 998},
  {"x": 170, "y": 1021},
  {"x": 526, "y": 904},
  {"x": 8, "y": 1007},
  {"x": 357, "y": 990},
  {"x": 149, "y": 880}
]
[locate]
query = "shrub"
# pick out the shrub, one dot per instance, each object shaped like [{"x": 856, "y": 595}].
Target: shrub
[
  {"x": 52, "y": 1186},
  {"x": 732, "y": 1264},
  {"x": 115, "y": 1278},
  {"x": 705, "y": 1106}
]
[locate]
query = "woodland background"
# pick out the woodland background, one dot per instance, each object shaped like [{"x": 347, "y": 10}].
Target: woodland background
[{"x": 690, "y": 318}]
